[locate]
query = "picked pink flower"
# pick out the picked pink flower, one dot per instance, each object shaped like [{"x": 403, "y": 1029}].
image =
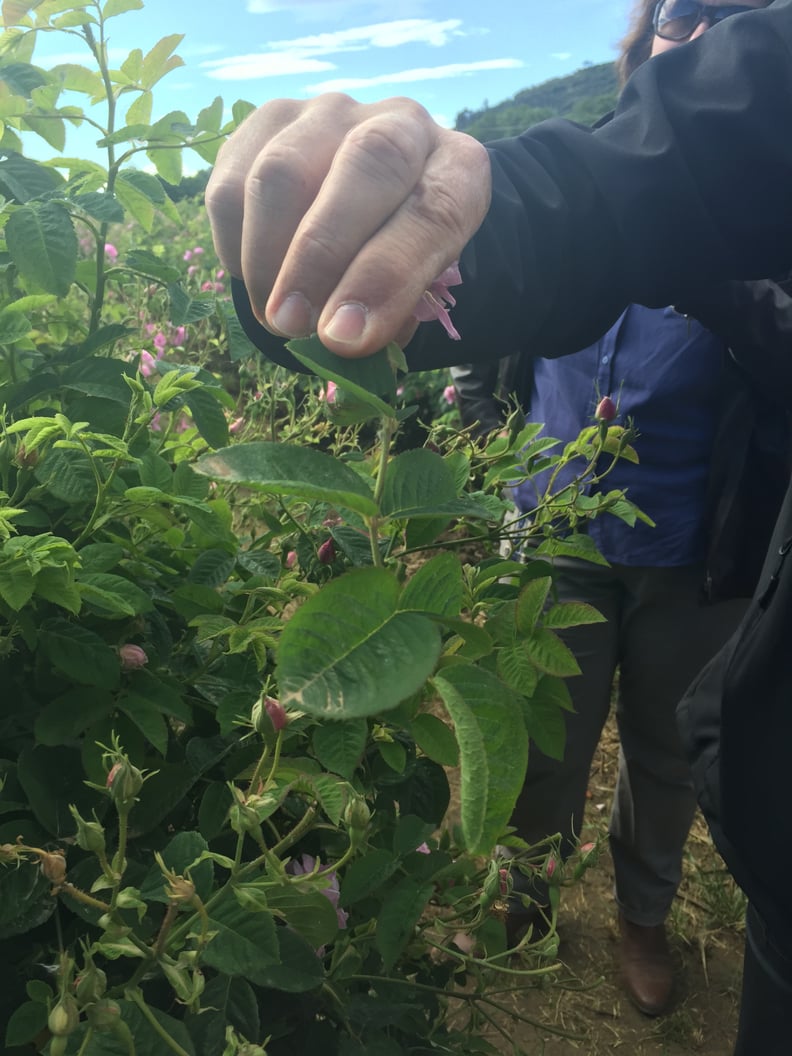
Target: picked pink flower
[
  {"x": 438, "y": 299},
  {"x": 449, "y": 394},
  {"x": 132, "y": 657}
]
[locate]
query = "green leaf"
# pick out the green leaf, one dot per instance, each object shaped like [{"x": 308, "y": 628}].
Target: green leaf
[
  {"x": 68, "y": 475},
  {"x": 546, "y": 650},
  {"x": 79, "y": 654},
  {"x": 160, "y": 60},
  {"x": 348, "y": 652},
  {"x": 435, "y": 739},
  {"x": 417, "y": 483},
  {"x": 149, "y": 720},
  {"x": 22, "y": 179},
  {"x": 149, "y": 264},
  {"x": 224, "y": 1002},
  {"x": 185, "y": 309},
  {"x": 104, "y": 207},
  {"x": 208, "y": 416},
  {"x": 531, "y": 602},
  {"x": 398, "y": 917},
  {"x": 394, "y": 755},
  {"x": 212, "y": 568},
  {"x": 168, "y": 163},
  {"x": 493, "y": 747},
  {"x": 120, "y": 7},
  {"x": 245, "y": 942},
  {"x": 99, "y": 376},
  {"x": 76, "y": 78},
  {"x": 43, "y": 245},
  {"x": 571, "y": 614},
  {"x": 279, "y": 469},
  {"x": 16, "y": 586},
  {"x": 210, "y": 117},
  {"x": 516, "y": 668},
  {"x": 114, "y": 593},
  {"x": 308, "y": 911},
  {"x": 545, "y": 723},
  {"x": 436, "y": 587},
  {"x": 366, "y": 875},
  {"x": 25, "y": 1023},
  {"x": 339, "y": 745},
  {"x": 366, "y": 379},
  {"x": 52, "y": 779}
]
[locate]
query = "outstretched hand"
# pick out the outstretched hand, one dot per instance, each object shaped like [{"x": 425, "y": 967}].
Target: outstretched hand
[{"x": 338, "y": 215}]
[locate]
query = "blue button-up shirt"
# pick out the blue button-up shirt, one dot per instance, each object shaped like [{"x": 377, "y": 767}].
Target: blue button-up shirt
[{"x": 663, "y": 371}]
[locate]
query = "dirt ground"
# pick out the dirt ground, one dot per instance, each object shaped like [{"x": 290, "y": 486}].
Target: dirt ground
[{"x": 585, "y": 1010}]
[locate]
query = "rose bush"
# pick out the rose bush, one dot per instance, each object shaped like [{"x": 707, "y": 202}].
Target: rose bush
[{"x": 238, "y": 662}]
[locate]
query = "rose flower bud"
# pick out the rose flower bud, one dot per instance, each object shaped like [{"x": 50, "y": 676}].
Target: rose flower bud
[
  {"x": 606, "y": 410},
  {"x": 132, "y": 657},
  {"x": 326, "y": 552}
]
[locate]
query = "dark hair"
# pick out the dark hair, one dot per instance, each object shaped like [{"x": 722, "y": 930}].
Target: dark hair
[{"x": 636, "y": 45}]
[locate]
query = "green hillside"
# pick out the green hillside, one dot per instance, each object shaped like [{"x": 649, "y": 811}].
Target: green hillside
[{"x": 583, "y": 96}]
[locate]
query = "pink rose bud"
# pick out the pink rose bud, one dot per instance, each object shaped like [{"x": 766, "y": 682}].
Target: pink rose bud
[
  {"x": 160, "y": 341},
  {"x": 326, "y": 552},
  {"x": 291, "y": 559},
  {"x": 606, "y": 410},
  {"x": 276, "y": 712},
  {"x": 550, "y": 868},
  {"x": 191, "y": 270},
  {"x": 110, "y": 251},
  {"x": 148, "y": 363},
  {"x": 132, "y": 657},
  {"x": 504, "y": 881}
]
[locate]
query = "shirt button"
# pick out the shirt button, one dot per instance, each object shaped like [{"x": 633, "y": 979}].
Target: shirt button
[{"x": 606, "y": 359}]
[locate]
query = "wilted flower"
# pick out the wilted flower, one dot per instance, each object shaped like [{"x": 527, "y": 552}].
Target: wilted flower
[
  {"x": 606, "y": 410},
  {"x": 110, "y": 251},
  {"x": 437, "y": 300},
  {"x": 449, "y": 394},
  {"x": 132, "y": 657}
]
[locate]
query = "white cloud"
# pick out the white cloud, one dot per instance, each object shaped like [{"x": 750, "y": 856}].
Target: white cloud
[
  {"x": 562, "y": 56},
  {"x": 392, "y": 34},
  {"x": 263, "y": 64},
  {"x": 426, "y": 73},
  {"x": 309, "y": 10},
  {"x": 302, "y": 55}
]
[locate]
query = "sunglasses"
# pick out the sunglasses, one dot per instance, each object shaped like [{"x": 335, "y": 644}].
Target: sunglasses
[{"x": 678, "y": 19}]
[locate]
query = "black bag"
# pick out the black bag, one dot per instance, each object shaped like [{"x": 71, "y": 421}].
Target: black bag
[{"x": 736, "y": 723}]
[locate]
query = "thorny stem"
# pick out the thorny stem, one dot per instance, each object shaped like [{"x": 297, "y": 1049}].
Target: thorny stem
[{"x": 84, "y": 897}]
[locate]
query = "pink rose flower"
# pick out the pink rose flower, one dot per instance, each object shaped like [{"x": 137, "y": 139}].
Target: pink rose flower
[
  {"x": 160, "y": 341},
  {"x": 437, "y": 300},
  {"x": 198, "y": 251},
  {"x": 187, "y": 254},
  {"x": 110, "y": 251},
  {"x": 148, "y": 363},
  {"x": 332, "y": 892},
  {"x": 178, "y": 336},
  {"x": 132, "y": 657},
  {"x": 449, "y": 395},
  {"x": 191, "y": 270}
]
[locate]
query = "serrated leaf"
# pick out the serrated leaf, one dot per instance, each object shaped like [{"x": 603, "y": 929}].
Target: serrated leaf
[
  {"x": 530, "y": 603},
  {"x": 417, "y": 483},
  {"x": 348, "y": 652},
  {"x": 309, "y": 912},
  {"x": 147, "y": 263},
  {"x": 339, "y": 745},
  {"x": 493, "y": 750},
  {"x": 435, "y": 739},
  {"x": 185, "y": 308},
  {"x": 516, "y": 669},
  {"x": 210, "y": 117},
  {"x": 168, "y": 163},
  {"x": 101, "y": 206},
  {"x": 160, "y": 61},
  {"x": 76, "y": 78},
  {"x": 140, "y": 110},
  {"x": 366, "y": 875},
  {"x": 398, "y": 917},
  {"x": 244, "y": 942},
  {"x": 43, "y": 244},
  {"x": 148, "y": 719},
  {"x": 212, "y": 568},
  {"x": 546, "y": 650},
  {"x": 367, "y": 379},
  {"x": 571, "y": 614},
  {"x": 436, "y": 587},
  {"x": 79, "y": 654},
  {"x": 279, "y": 469},
  {"x": 210, "y": 421}
]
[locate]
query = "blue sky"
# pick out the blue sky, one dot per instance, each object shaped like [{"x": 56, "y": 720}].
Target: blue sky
[{"x": 447, "y": 55}]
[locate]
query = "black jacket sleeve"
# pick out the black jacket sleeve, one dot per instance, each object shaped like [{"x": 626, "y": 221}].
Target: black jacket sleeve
[{"x": 690, "y": 181}]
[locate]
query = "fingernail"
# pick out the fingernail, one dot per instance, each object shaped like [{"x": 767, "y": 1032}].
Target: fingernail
[
  {"x": 295, "y": 317},
  {"x": 348, "y": 323}
]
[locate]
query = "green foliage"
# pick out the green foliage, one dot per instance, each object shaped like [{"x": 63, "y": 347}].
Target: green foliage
[
  {"x": 584, "y": 96},
  {"x": 232, "y": 678}
]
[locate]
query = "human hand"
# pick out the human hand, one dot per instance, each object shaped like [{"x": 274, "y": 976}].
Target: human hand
[{"x": 338, "y": 215}]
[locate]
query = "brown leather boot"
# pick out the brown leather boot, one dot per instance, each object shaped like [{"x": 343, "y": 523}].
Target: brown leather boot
[{"x": 647, "y": 970}]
